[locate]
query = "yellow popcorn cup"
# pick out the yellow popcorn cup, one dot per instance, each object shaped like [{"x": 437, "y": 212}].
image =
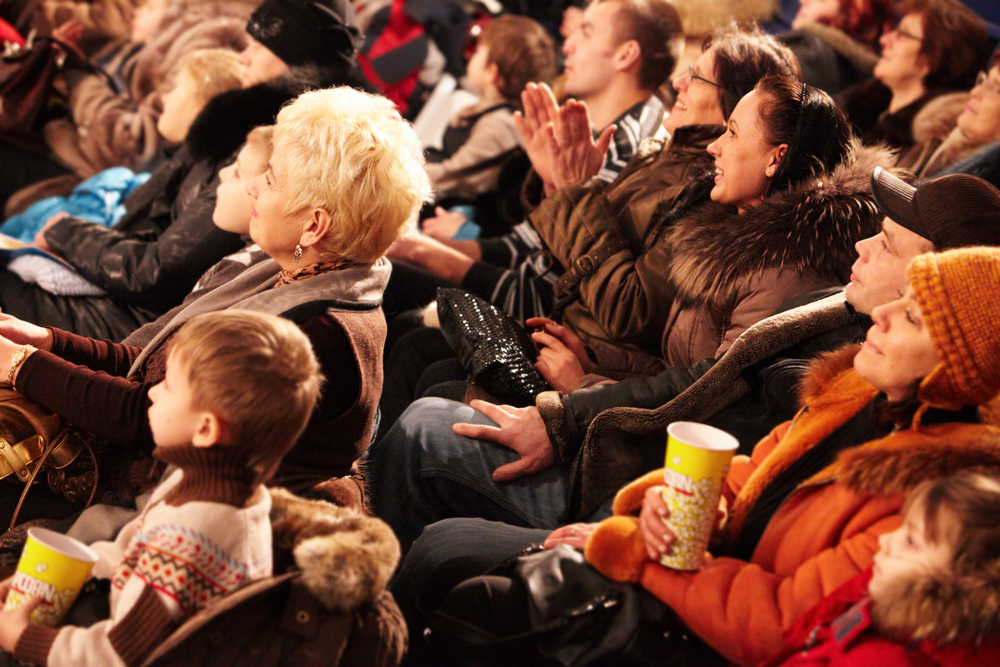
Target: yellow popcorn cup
[
  {"x": 53, "y": 567},
  {"x": 698, "y": 458}
]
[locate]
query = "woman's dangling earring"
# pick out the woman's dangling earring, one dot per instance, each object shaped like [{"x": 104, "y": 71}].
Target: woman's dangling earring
[{"x": 298, "y": 253}]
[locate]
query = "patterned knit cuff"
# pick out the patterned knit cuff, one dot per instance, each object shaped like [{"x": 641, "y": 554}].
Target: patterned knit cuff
[
  {"x": 35, "y": 643},
  {"x": 550, "y": 407}
]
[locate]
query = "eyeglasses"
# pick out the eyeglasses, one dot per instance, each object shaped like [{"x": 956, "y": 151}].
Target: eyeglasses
[
  {"x": 991, "y": 88},
  {"x": 694, "y": 77},
  {"x": 902, "y": 33}
]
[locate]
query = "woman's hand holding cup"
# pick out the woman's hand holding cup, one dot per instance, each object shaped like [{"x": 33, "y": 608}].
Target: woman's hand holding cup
[{"x": 655, "y": 533}]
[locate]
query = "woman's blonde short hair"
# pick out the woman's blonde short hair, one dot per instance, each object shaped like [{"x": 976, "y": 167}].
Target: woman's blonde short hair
[{"x": 352, "y": 154}]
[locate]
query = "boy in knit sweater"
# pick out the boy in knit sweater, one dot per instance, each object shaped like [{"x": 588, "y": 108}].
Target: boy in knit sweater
[{"x": 238, "y": 391}]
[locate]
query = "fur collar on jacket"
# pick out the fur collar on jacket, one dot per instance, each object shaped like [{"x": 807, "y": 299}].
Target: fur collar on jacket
[
  {"x": 810, "y": 227},
  {"x": 902, "y": 460},
  {"x": 939, "y": 117},
  {"x": 833, "y": 393},
  {"x": 222, "y": 126},
  {"x": 346, "y": 558}
]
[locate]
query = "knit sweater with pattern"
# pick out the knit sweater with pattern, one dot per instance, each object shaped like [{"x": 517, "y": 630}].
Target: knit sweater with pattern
[{"x": 206, "y": 532}]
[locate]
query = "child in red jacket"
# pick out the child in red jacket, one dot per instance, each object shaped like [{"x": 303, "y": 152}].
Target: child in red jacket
[{"x": 932, "y": 597}]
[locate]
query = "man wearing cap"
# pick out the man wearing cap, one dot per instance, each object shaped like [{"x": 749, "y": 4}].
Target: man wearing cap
[{"x": 604, "y": 441}]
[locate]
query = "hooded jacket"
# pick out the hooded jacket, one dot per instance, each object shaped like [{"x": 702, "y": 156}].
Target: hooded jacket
[
  {"x": 591, "y": 228},
  {"x": 840, "y": 631},
  {"x": 150, "y": 260},
  {"x": 824, "y": 533}
]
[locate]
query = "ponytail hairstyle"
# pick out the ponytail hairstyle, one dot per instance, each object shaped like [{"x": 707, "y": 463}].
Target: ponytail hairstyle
[{"x": 805, "y": 118}]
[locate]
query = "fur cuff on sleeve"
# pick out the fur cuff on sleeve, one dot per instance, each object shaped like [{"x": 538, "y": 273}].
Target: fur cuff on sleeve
[
  {"x": 616, "y": 549},
  {"x": 628, "y": 501},
  {"x": 550, "y": 407}
]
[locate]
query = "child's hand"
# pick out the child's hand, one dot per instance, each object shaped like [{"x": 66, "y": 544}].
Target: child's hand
[
  {"x": 444, "y": 225},
  {"x": 40, "y": 241},
  {"x": 13, "y": 623}
]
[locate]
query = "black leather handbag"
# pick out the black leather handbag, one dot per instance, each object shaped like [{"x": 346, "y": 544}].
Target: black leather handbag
[{"x": 551, "y": 608}]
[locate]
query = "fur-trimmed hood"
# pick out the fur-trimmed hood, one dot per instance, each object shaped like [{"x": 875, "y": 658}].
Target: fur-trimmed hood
[
  {"x": 811, "y": 227},
  {"x": 941, "y": 607},
  {"x": 346, "y": 558}
]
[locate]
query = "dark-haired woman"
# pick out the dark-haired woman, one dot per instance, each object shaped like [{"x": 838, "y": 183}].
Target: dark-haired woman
[
  {"x": 785, "y": 164},
  {"x": 938, "y": 47}
]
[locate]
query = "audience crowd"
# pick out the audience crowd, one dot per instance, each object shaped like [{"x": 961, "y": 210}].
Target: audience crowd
[{"x": 231, "y": 238}]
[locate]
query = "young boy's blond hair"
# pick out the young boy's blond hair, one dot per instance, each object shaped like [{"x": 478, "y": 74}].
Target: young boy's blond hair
[
  {"x": 213, "y": 71},
  {"x": 257, "y": 373}
]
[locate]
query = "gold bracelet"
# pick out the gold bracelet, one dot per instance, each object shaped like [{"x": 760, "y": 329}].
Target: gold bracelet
[{"x": 15, "y": 359}]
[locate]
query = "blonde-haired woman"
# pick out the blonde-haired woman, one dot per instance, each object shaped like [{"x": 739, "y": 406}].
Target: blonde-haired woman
[{"x": 345, "y": 180}]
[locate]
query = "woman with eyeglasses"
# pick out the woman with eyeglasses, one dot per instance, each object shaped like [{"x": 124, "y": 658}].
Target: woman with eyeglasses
[
  {"x": 956, "y": 126},
  {"x": 937, "y": 48}
]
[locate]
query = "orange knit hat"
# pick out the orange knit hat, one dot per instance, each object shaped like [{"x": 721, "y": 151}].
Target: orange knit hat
[{"x": 957, "y": 293}]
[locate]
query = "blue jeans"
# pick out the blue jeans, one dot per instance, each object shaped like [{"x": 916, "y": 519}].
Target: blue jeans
[{"x": 422, "y": 472}]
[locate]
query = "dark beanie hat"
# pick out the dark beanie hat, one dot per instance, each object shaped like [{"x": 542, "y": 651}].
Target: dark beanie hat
[
  {"x": 302, "y": 32},
  {"x": 953, "y": 211}
]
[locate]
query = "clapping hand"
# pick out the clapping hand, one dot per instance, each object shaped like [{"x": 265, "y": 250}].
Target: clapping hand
[
  {"x": 575, "y": 154},
  {"x": 540, "y": 111}
]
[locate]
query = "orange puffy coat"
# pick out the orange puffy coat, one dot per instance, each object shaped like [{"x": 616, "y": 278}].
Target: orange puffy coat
[{"x": 823, "y": 535}]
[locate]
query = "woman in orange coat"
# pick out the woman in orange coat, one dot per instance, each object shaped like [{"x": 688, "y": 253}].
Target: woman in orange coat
[{"x": 877, "y": 420}]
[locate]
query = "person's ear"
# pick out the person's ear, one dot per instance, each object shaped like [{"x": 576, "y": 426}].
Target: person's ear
[
  {"x": 493, "y": 74},
  {"x": 777, "y": 155},
  {"x": 211, "y": 431},
  {"x": 628, "y": 55},
  {"x": 319, "y": 223}
]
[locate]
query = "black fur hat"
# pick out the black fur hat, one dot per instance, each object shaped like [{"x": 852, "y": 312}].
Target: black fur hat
[{"x": 303, "y": 32}]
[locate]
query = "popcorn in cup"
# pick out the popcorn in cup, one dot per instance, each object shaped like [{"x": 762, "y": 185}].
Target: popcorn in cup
[
  {"x": 53, "y": 567},
  {"x": 698, "y": 458}
]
